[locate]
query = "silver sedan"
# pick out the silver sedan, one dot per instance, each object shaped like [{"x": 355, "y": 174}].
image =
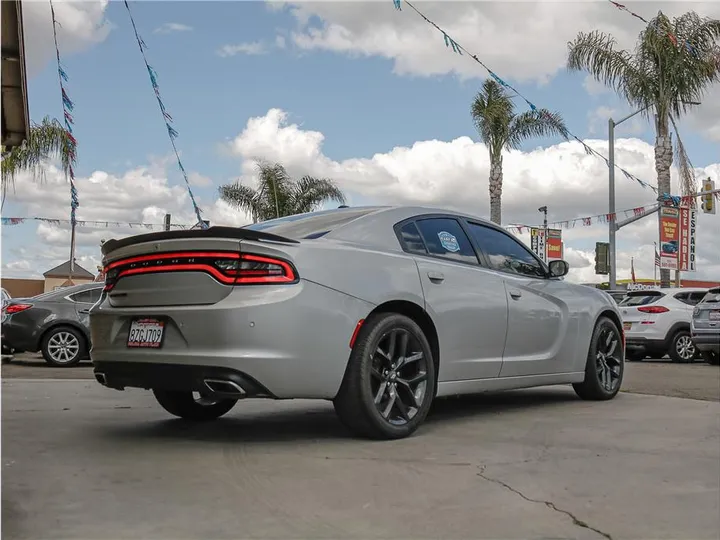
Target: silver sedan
[{"x": 379, "y": 309}]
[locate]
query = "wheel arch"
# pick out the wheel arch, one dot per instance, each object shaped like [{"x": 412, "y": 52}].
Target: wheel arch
[
  {"x": 615, "y": 318},
  {"x": 423, "y": 320}
]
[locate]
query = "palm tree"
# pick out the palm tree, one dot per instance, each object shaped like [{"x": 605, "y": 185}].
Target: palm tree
[
  {"x": 500, "y": 128},
  {"x": 48, "y": 139},
  {"x": 673, "y": 64},
  {"x": 278, "y": 195}
]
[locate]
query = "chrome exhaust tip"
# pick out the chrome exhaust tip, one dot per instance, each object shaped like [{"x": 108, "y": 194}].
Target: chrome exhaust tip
[
  {"x": 220, "y": 386},
  {"x": 100, "y": 377}
]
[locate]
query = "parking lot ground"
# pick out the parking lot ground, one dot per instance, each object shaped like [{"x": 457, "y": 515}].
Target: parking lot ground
[{"x": 81, "y": 461}]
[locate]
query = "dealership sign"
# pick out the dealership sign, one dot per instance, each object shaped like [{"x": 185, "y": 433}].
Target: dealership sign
[
  {"x": 669, "y": 237},
  {"x": 537, "y": 243},
  {"x": 554, "y": 244},
  {"x": 688, "y": 228}
]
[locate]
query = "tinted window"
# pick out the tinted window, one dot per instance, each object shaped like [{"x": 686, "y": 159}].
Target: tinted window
[
  {"x": 683, "y": 297},
  {"x": 641, "y": 298},
  {"x": 411, "y": 239},
  {"x": 506, "y": 254},
  {"x": 444, "y": 237},
  {"x": 713, "y": 295},
  {"x": 87, "y": 297},
  {"x": 310, "y": 225}
]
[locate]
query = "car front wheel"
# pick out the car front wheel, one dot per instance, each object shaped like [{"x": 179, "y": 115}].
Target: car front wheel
[
  {"x": 193, "y": 406},
  {"x": 604, "y": 368},
  {"x": 389, "y": 382}
]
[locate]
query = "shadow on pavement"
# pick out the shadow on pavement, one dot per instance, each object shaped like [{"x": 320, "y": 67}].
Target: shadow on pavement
[{"x": 320, "y": 422}]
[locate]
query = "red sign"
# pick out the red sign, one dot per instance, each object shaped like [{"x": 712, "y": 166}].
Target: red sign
[
  {"x": 554, "y": 244},
  {"x": 669, "y": 237}
]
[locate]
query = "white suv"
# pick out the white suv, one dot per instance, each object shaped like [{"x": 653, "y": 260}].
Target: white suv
[{"x": 657, "y": 322}]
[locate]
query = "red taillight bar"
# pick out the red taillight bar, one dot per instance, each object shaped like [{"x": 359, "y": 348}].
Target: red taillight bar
[
  {"x": 653, "y": 309},
  {"x": 192, "y": 264}
]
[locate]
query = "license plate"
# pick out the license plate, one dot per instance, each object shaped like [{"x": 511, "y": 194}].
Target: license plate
[
  {"x": 627, "y": 325},
  {"x": 146, "y": 334},
  {"x": 714, "y": 315}
]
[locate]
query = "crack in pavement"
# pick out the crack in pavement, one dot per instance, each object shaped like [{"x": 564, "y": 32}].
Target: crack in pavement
[{"x": 549, "y": 504}]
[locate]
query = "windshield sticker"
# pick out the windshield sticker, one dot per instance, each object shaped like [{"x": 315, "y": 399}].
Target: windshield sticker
[{"x": 448, "y": 241}]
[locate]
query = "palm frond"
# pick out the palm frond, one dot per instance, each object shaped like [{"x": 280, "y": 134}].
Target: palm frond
[
  {"x": 243, "y": 198},
  {"x": 688, "y": 181},
  {"x": 47, "y": 140},
  {"x": 491, "y": 111},
  {"x": 534, "y": 124},
  {"x": 309, "y": 193}
]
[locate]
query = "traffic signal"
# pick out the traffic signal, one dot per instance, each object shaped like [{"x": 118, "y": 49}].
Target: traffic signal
[
  {"x": 602, "y": 258},
  {"x": 708, "y": 201}
]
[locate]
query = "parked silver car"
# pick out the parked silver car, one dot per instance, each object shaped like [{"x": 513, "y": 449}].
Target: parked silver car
[
  {"x": 705, "y": 328},
  {"x": 379, "y": 309}
]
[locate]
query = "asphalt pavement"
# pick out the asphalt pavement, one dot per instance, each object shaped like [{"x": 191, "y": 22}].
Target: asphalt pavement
[{"x": 82, "y": 461}]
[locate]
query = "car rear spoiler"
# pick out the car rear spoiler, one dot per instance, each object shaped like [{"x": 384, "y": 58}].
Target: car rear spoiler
[{"x": 212, "y": 232}]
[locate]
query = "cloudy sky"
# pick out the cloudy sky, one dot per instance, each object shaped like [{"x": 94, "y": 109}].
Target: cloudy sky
[{"x": 358, "y": 92}]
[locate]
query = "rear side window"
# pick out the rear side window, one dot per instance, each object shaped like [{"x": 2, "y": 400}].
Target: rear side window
[
  {"x": 411, "y": 239},
  {"x": 444, "y": 237},
  {"x": 641, "y": 298},
  {"x": 87, "y": 297}
]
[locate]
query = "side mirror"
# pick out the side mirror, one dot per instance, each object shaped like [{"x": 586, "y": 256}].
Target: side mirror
[{"x": 558, "y": 268}]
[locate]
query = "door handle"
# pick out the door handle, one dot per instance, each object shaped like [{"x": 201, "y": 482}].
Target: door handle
[
  {"x": 515, "y": 294},
  {"x": 84, "y": 311},
  {"x": 436, "y": 277}
]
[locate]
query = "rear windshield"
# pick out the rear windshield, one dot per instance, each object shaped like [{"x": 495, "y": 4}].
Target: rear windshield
[
  {"x": 311, "y": 225},
  {"x": 713, "y": 295},
  {"x": 641, "y": 298}
]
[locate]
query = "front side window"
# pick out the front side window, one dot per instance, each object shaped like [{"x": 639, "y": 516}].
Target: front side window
[
  {"x": 505, "y": 253},
  {"x": 445, "y": 237}
]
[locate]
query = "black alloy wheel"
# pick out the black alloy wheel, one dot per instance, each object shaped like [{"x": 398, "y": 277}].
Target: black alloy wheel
[
  {"x": 389, "y": 383},
  {"x": 605, "y": 368}
]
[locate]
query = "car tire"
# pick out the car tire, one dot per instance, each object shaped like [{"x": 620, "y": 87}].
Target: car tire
[
  {"x": 635, "y": 356},
  {"x": 71, "y": 339},
  {"x": 711, "y": 358},
  {"x": 682, "y": 349},
  {"x": 383, "y": 395},
  {"x": 187, "y": 407},
  {"x": 604, "y": 368}
]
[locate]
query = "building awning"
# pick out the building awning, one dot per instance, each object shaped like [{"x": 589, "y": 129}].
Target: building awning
[{"x": 15, "y": 113}]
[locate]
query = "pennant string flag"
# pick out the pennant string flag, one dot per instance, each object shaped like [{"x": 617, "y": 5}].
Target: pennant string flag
[
  {"x": 68, "y": 107},
  {"x": 91, "y": 224},
  {"x": 459, "y": 49},
  {"x": 171, "y": 131}
]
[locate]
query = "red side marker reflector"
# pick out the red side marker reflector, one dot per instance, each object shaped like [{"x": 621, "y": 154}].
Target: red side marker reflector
[{"x": 356, "y": 332}]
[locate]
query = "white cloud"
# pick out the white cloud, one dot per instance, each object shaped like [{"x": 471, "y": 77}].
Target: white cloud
[
  {"x": 81, "y": 25},
  {"x": 197, "y": 179},
  {"x": 280, "y": 42},
  {"x": 593, "y": 87},
  {"x": 252, "y": 49},
  {"x": 171, "y": 27}
]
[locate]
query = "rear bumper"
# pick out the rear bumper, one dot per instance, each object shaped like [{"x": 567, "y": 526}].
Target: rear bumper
[
  {"x": 289, "y": 341},
  {"x": 637, "y": 343},
  {"x": 707, "y": 342},
  {"x": 180, "y": 377}
]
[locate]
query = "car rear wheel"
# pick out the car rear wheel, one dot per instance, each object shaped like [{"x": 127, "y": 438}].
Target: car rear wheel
[
  {"x": 682, "y": 349},
  {"x": 604, "y": 368},
  {"x": 63, "y": 346},
  {"x": 389, "y": 382},
  {"x": 192, "y": 405},
  {"x": 711, "y": 358}
]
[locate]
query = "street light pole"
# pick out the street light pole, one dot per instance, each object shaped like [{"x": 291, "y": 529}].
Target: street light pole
[{"x": 612, "y": 221}]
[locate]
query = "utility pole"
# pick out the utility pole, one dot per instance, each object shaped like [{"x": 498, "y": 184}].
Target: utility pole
[{"x": 612, "y": 279}]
